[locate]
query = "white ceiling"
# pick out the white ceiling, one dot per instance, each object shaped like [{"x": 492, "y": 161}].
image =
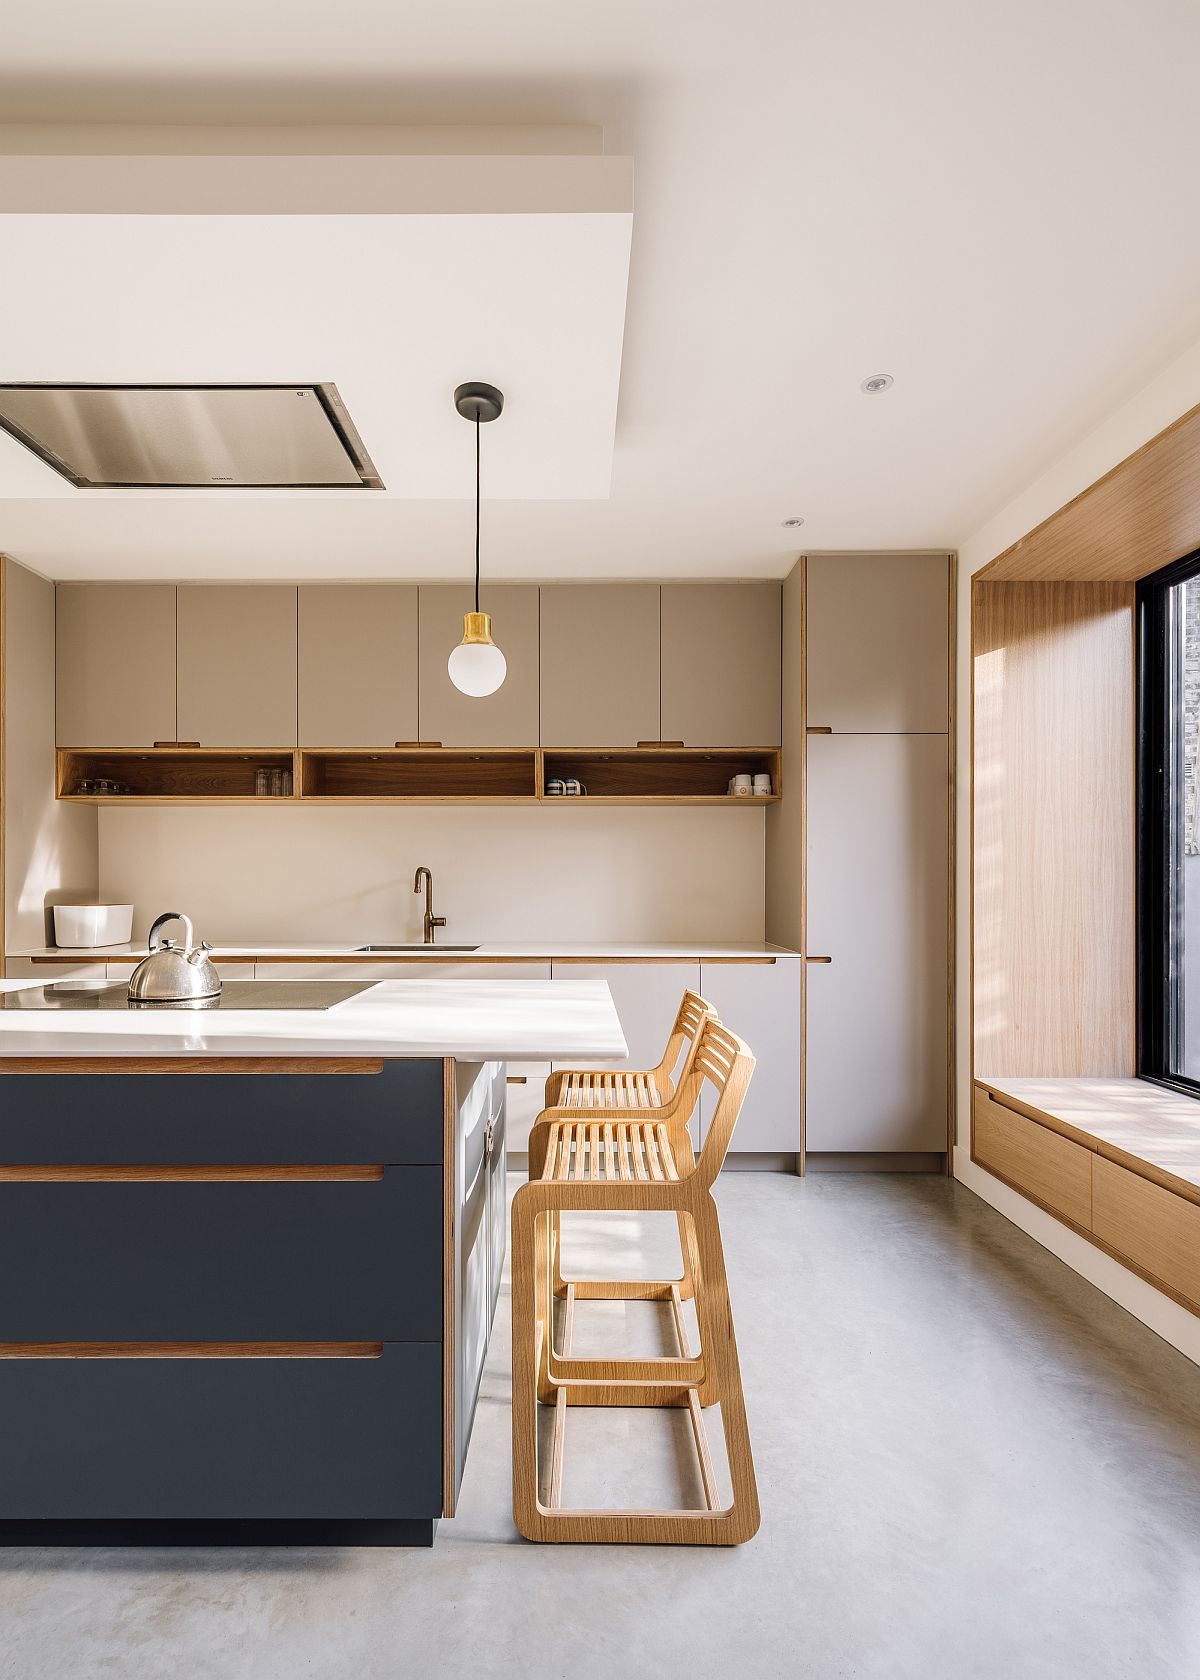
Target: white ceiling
[{"x": 995, "y": 206}]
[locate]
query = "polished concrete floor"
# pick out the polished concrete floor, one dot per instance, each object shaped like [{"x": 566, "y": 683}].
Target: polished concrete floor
[{"x": 972, "y": 1465}]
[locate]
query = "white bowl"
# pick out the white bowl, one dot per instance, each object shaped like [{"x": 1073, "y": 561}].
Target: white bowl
[{"x": 92, "y": 924}]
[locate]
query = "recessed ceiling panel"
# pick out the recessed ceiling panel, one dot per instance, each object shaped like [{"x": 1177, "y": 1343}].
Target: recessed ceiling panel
[{"x": 191, "y": 437}]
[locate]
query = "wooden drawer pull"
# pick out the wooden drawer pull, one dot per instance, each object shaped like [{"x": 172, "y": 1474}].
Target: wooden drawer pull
[
  {"x": 52, "y": 1174},
  {"x": 177, "y": 744},
  {"x": 516, "y": 1079},
  {"x": 819, "y": 729},
  {"x": 818, "y": 959},
  {"x": 431, "y": 745},
  {"x": 677, "y": 745},
  {"x": 191, "y": 1350}
]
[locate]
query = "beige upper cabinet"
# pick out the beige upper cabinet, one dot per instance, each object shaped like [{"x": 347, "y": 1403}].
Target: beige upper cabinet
[
  {"x": 114, "y": 664},
  {"x": 508, "y": 718},
  {"x": 721, "y": 664},
  {"x": 878, "y": 630},
  {"x": 357, "y": 664},
  {"x": 237, "y": 664},
  {"x": 599, "y": 664}
]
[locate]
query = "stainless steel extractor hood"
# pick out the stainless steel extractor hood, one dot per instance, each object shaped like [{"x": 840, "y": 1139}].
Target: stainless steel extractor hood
[{"x": 188, "y": 437}]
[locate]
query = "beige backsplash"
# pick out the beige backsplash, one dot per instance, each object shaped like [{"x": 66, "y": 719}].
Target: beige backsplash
[{"x": 500, "y": 872}]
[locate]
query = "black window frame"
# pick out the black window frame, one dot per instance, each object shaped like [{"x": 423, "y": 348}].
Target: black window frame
[{"x": 1159, "y": 862}]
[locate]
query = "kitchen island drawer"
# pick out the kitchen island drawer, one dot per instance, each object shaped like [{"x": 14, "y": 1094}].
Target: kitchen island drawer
[
  {"x": 221, "y": 1437},
  {"x": 1033, "y": 1159},
  {"x": 391, "y": 1113},
  {"x": 280, "y": 1259}
]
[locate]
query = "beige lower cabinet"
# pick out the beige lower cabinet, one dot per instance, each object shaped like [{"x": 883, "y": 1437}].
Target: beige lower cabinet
[
  {"x": 22, "y": 968},
  {"x": 1156, "y": 1230},
  {"x": 876, "y": 1013},
  {"x": 526, "y": 1098},
  {"x": 647, "y": 996},
  {"x": 760, "y": 1002}
]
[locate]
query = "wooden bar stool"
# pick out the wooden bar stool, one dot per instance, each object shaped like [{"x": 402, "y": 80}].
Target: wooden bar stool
[
  {"x": 615, "y": 1162},
  {"x": 627, "y": 1087},
  {"x": 623, "y": 1089}
]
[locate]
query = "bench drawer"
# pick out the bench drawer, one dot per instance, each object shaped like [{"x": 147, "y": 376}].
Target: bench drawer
[
  {"x": 1152, "y": 1227},
  {"x": 283, "y": 1260},
  {"x": 222, "y": 1438},
  {"x": 1036, "y": 1160}
]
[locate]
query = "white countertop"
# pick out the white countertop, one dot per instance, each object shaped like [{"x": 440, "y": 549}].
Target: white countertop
[
  {"x": 531, "y": 951},
  {"x": 474, "y": 1020}
]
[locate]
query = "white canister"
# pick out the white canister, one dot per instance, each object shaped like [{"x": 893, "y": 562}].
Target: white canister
[
  {"x": 743, "y": 786},
  {"x": 762, "y": 785}
]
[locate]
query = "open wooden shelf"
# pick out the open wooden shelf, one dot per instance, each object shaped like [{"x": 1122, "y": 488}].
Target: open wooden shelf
[
  {"x": 664, "y": 775},
  {"x": 418, "y": 775},
  {"x": 172, "y": 775}
]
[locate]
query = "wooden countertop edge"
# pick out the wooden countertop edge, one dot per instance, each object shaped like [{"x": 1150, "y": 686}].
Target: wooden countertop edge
[{"x": 1098, "y": 1146}]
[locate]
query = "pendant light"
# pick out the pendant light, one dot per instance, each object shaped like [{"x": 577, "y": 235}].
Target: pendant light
[{"x": 477, "y": 666}]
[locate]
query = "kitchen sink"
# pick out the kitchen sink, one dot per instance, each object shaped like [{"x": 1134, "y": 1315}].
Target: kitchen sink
[{"x": 366, "y": 949}]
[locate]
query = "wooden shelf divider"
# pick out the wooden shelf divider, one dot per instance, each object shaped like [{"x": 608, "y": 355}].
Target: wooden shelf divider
[{"x": 415, "y": 775}]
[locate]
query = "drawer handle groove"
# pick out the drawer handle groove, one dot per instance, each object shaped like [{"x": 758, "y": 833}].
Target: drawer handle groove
[
  {"x": 191, "y": 1350},
  {"x": 163, "y": 1174}
]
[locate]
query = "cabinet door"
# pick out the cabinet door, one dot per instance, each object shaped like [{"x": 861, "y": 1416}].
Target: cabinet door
[
  {"x": 356, "y": 664},
  {"x": 508, "y": 718},
  {"x": 875, "y": 1064},
  {"x": 760, "y": 1002},
  {"x": 599, "y": 653},
  {"x": 237, "y": 665},
  {"x": 525, "y": 1100},
  {"x": 877, "y": 657},
  {"x": 646, "y": 996},
  {"x": 721, "y": 664},
  {"x": 114, "y": 664}
]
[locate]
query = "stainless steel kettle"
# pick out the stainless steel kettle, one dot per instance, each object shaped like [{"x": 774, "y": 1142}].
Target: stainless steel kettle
[{"x": 174, "y": 973}]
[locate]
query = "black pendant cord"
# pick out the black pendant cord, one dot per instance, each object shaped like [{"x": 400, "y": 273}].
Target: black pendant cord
[{"x": 476, "y": 510}]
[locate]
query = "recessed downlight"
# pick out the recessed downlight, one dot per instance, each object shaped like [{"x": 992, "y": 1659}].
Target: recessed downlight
[
  {"x": 791, "y": 524},
  {"x": 877, "y": 382}
]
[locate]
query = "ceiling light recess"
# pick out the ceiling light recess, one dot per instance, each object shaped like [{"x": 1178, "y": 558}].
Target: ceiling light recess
[
  {"x": 793, "y": 523},
  {"x": 877, "y": 382},
  {"x": 476, "y": 666}
]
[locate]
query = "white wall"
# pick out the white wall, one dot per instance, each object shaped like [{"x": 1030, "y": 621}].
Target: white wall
[
  {"x": 49, "y": 848},
  {"x": 500, "y": 872},
  {"x": 1172, "y": 393}
]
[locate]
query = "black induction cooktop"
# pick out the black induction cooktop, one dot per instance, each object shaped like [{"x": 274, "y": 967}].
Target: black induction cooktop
[{"x": 236, "y": 994}]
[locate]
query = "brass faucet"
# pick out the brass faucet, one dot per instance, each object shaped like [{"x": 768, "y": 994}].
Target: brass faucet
[{"x": 430, "y": 921}]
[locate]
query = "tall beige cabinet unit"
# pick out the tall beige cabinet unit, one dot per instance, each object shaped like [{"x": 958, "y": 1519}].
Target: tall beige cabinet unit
[{"x": 877, "y": 676}]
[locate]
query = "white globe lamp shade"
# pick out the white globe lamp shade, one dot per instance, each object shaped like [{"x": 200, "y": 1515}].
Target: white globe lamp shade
[{"x": 476, "y": 666}]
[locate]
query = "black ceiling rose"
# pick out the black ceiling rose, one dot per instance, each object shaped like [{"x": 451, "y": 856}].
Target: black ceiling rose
[{"x": 475, "y": 401}]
